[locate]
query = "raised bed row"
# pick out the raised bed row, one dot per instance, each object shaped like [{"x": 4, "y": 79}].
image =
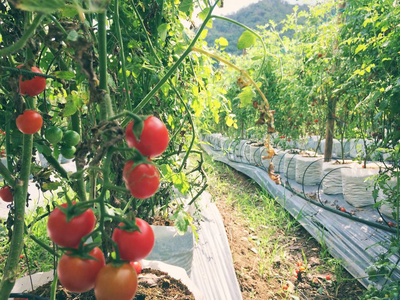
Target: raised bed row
[
  {"x": 308, "y": 168},
  {"x": 351, "y": 148},
  {"x": 331, "y": 208}
]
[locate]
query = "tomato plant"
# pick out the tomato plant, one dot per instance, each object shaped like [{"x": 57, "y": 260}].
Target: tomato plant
[
  {"x": 134, "y": 245},
  {"x": 78, "y": 274},
  {"x": 94, "y": 98},
  {"x": 142, "y": 179},
  {"x": 69, "y": 233},
  {"x": 6, "y": 194},
  {"x": 29, "y": 122},
  {"x": 116, "y": 282},
  {"x": 153, "y": 140},
  {"x": 32, "y": 87}
]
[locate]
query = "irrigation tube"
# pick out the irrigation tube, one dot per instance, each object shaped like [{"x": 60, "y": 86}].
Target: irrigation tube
[{"x": 304, "y": 175}]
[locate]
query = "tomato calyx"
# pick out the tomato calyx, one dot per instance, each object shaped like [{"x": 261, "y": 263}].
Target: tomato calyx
[
  {"x": 74, "y": 209},
  {"x": 129, "y": 225},
  {"x": 138, "y": 125},
  {"x": 83, "y": 251}
]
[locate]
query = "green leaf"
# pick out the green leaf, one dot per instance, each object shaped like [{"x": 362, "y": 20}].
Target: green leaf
[
  {"x": 203, "y": 14},
  {"x": 246, "y": 96},
  {"x": 163, "y": 30},
  {"x": 186, "y": 6},
  {"x": 66, "y": 75},
  {"x": 180, "y": 182},
  {"x": 165, "y": 170},
  {"x": 69, "y": 109},
  {"x": 51, "y": 186},
  {"x": 43, "y": 6},
  {"x": 246, "y": 40},
  {"x": 359, "y": 48},
  {"x": 181, "y": 221},
  {"x": 72, "y": 36},
  {"x": 223, "y": 42}
]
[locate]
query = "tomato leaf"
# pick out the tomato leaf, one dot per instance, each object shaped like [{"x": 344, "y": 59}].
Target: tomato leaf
[
  {"x": 246, "y": 40},
  {"x": 66, "y": 75},
  {"x": 44, "y": 6},
  {"x": 51, "y": 186},
  {"x": 181, "y": 221},
  {"x": 186, "y": 6},
  {"x": 69, "y": 109},
  {"x": 246, "y": 96},
  {"x": 72, "y": 36},
  {"x": 163, "y": 31}
]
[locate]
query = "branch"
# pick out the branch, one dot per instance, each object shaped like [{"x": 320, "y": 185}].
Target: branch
[{"x": 22, "y": 41}]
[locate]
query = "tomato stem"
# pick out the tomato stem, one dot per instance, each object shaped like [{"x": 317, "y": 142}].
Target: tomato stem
[
  {"x": 20, "y": 195},
  {"x": 122, "y": 54},
  {"x": 147, "y": 98},
  {"x": 23, "y": 40},
  {"x": 7, "y": 175},
  {"x": 106, "y": 109},
  {"x": 80, "y": 183}
]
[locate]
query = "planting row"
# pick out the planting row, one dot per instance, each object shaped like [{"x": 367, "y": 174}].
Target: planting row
[{"x": 347, "y": 177}]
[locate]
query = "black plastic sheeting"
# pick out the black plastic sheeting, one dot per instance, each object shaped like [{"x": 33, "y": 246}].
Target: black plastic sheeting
[{"x": 356, "y": 244}]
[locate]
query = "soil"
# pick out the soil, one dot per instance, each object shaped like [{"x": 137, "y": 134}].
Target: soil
[
  {"x": 152, "y": 284},
  {"x": 280, "y": 281}
]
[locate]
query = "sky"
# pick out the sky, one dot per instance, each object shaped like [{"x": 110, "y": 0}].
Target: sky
[{"x": 232, "y": 6}]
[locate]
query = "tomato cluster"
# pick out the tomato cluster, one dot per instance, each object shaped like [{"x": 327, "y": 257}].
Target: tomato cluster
[
  {"x": 142, "y": 178},
  {"x": 69, "y": 225},
  {"x": 82, "y": 268},
  {"x": 65, "y": 140}
]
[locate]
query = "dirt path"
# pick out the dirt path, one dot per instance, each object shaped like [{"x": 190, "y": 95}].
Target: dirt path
[{"x": 275, "y": 261}]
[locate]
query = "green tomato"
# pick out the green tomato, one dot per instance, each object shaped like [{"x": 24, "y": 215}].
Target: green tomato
[
  {"x": 53, "y": 134},
  {"x": 68, "y": 151},
  {"x": 71, "y": 138}
]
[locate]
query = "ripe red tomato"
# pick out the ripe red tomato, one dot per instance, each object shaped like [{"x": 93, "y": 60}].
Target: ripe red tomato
[
  {"x": 29, "y": 122},
  {"x": 78, "y": 275},
  {"x": 34, "y": 86},
  {"x": 116, "y": 282},
  {"x": 137, "y": 266},
  {"x": 135, "y": 245},
  {"x": 154, "y": 139},
  {"x": 6, "y": 194},
  {"x": 69, "y": 234},
  {"x": 142, "y": 180}
]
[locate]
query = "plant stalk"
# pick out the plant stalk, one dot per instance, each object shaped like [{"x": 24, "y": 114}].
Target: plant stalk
[
  {"x": 23, "y": 40},
  {"x": 11, "y": 272}
]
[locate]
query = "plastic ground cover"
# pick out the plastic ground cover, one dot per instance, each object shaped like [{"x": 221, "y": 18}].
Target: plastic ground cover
[
  {"x": 212, "y": 267},
  {"x": 355, "y": 243}
]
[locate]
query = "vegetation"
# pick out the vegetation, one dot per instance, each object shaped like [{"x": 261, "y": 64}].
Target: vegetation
[
  {"x": 79, "y": 80},
  {"x": 265, "y": 12},
  {"x": 336, "y": 77}
]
